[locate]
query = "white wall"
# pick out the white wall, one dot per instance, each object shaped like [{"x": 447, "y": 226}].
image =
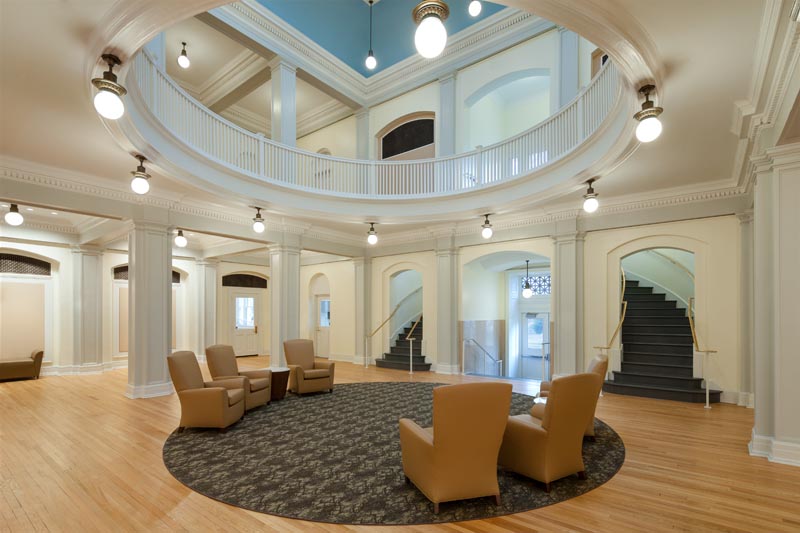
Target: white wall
[
  {"x": 341, "y": 282},
  {"x": 483, "y": 295},
  {"x": 339, "y": 138},
  {"x": 585, "y": 49}
]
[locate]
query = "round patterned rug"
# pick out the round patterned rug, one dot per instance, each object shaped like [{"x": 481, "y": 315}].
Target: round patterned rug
[{"x": 336, "y": 458}]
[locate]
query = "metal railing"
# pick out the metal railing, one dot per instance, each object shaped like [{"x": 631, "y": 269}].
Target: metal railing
[
  {"x": 411, "y": 340},
  {"x": 368, "y": 336},
  {"x": 484, "y": 355},
  {"x": 697, "y": 348},
  {"x": 225, "y": 143}
]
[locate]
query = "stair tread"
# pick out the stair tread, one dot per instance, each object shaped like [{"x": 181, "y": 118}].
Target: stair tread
[
  {"x": 661, "y": 334},
  {"x": 655, "y": 353},
  {"x": 656, "y": 375},
  {"x": 670, "y": 389},
  {"x": 655, "y": 364}
]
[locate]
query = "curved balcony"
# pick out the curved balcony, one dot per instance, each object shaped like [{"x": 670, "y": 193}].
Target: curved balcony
[{"x": 253, "y": 156}]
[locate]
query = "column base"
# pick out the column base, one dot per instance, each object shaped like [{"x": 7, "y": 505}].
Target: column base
[
  {"x": 149, "y": 391},
  {"x": 448, "y": 369},
  {"x": 783, "y": 452}
]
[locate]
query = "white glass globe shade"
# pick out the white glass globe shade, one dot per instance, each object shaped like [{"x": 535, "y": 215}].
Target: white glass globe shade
[
  {"x": 372, "y": 238},
  {"x": 475, "y": 8},
  {"x": 487, "y": 233},
  {"x": 13, "y": 218},
  {"x": 183, "y": 61},
  {"x": 258, "y": 226},
  {"x": 431, "y": 37},
  {"x": 180, "y": 241},
  {"x": 648, "y": 129},
  {"x": 140, "y": 185},
  {"x": 109, "y": 105},
  {"x": 527, "y": 293},
  {"x": 590, "y": 205},
  {"x": 371, "y": 62}
]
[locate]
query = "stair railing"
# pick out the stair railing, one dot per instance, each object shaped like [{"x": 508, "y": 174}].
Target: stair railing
[
  {"x": 411, "y": 340},
  {"x": 486, "y": 354},
  {"x": 368, "y": 336},
  {"x": 697, "y": 348},
  {"x": 604, "y": 349}
]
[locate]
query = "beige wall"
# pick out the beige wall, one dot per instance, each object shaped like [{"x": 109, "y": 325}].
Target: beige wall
[
  {"x": 22, "y": 307},
  {"x": 340, "y": 276},
  {"x": 339, "y": 138}
]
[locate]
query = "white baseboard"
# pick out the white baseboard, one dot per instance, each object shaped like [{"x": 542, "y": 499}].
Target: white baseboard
[
  {"x": 149, "y": 391},
  {"x": 90, "y": 368},
  {"x": 447, "y": 369},
  {"x": 784, "y": 452},
  {"x": 747, "y": 399},
  {"x": 743, "y": 399}
]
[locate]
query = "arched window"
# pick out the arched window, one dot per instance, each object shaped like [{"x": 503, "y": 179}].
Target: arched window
[
  {"x": 20, "y": 264},
  {"x": 121, "y": 272},
  {"x": 244, "y": 280},
  {"x": 408, "y": 137}
]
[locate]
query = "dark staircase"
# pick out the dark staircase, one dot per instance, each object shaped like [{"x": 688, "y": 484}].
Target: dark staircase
[
  {"x": 397, "y": 356},
  {"x": 657, "y": 350}
]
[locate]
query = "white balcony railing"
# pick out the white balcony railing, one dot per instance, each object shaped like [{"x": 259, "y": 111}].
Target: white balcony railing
[{"x": 226, "y": 143}]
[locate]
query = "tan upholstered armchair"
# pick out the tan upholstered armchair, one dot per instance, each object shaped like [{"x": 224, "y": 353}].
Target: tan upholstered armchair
[
  {"x": 213, "y": 404},
  {"x": 222, "y": 365},
  {"x": 457, "y": 458},
  {"x": 599, "y": 366},
  {"x": 306, "y": 374},
  {"x": 22, "y": 368},
  {"x": 551, "y": 448}
]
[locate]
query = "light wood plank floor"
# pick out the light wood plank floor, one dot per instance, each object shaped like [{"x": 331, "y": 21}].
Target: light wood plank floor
[{"x": 76, "y": 455}]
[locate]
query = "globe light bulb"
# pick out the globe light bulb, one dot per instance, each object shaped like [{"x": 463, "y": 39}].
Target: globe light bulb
[
  {"x": 109, "y": 104},
  {"x": 371, "y": 62},
  {"x": 487, "y": 233},
  {"x": 590, "y": 205},
  {"x": 475, "y": 8},
  {"x": 527, "y": 292},
  {"x": 180, "y": 240},
  {"x": 183, "y": 60},
  {"x": 140, "y": 185},
  {"x": 372, "y": 238},
  {"x": 430, "y": 37},
  {"x": 648, "y": 129},
  {"x": 13, "y": 217},
  {"x": 258, "y": 226}
]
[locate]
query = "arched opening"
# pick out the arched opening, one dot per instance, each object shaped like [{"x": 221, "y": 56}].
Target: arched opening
[
  {"x": 668, "y": 271},
  {"x": 244, "y": 312},
  {"x": 504, "y": 332},
  {"x": 319, "y": 313},
  {"x": 408, "y": 137}
]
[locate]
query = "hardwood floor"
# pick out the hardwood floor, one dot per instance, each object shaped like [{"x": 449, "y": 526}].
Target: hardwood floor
[{"x": 75, "y": 454}]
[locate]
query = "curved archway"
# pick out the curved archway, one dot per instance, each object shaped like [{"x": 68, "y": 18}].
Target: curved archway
[{"x": 54, "y": 263}]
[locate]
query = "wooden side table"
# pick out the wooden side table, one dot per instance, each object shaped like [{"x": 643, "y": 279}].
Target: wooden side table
[{"x": 280, "y": 380}]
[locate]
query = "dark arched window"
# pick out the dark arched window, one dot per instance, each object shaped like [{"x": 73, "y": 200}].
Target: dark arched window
[
  {"x": 121, "y": 272},
  {"x": 21, "y": 264},
  {"x": 406, "y": 137},
  {"x": 244, "y": 280}
]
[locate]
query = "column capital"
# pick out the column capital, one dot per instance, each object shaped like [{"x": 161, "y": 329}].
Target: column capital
[
  {"x": 745, "y": 217},
  {"x": 445, "y": 78},
  {"x": 281, "y": 62},
  {"x": 361, "y": 112},
  {"x": 362, "y": 261},
  {"x": 84, "y": 249},
  {"x": 280, "y": 248},
  {"x": 569, "y": 237}
]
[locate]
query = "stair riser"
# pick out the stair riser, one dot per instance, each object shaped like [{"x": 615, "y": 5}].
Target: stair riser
[
  {"x": 679, "y": 360},
  {"x": 655, "y": 304},
  {"x": 644, "y": 297},
  {"x": 645, "y": 329},
  {"x": 675, "y": 371},
  {"x": 403, "y": 354},
  {"x": 631, "y": 283},
  {"x": 638, "y": 290},
  {"x": 686, "y": 349},
  {"x": 403, "y": 358},
  {"x": 658, "y": 311},
  {"x": 656, "y": 338},
  {"x": 399, "y": 366},
  {"x": 692, "y": 397},
  {"x": 658, "y": 381},
  {"x": 632, "y": 320}
]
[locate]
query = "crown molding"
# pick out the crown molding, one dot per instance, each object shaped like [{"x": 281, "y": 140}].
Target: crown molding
[
  {"x": 43, "y": 226},
  {"x": 247, "y": 119},
  {"x": 321, "y": 116},
  {"x": 234, "y": 73}
]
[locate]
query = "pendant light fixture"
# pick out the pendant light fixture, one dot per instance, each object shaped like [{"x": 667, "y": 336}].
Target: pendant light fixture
[
  {"x": 140, "y": 184},
  {"x": 487, "y": 231},
  {"x": 649, "y": 127},
  {"x": 258, "y": 222},
  {"x": 14, "y": 217},
  {"x": 370, "y": 62},
  {"x": 372, "y": 235},
  {"x": 108, "y": 100},
  {"x": 431, "y": 35},
  {"x": 475, "y": 8},
  {"x": 527, "y": 284},
  {"x": 180, "y": 240},
  {"x": 590, "y": 202},
  {"x": 183, "y": 58}
]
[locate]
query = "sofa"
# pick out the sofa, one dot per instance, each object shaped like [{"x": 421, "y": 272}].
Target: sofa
[{"x": 22, "y": 368}]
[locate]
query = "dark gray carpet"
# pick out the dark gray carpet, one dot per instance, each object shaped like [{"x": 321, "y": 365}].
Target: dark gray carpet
[{"x": 336, "y": 458}]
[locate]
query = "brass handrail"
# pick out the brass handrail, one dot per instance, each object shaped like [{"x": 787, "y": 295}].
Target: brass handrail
[
  {"x": 694, "y": 331},
  {"x": 624, "y": 281},
  {"x": 408, "y": 337},
  {"x": 676, "y": 263},
  {"x": 388, "y": 318},
  {"x": 616, "y": 331}
]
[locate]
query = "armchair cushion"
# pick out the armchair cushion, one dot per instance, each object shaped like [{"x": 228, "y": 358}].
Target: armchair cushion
[
  {"x": 235, "y": 396},
  {"x": 257, "y": 384},
  {"x": 222, "y": 365},
  {"x": 316, "y": 373}
]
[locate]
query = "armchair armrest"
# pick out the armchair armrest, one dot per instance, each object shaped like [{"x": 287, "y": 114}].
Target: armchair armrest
[
  {"x": 256, "y": 374},
  {"x": 324, "y": 364},
  {"x": 234, "y": 382},
  {"x": 416, "y": 446},
  {"x": 203, "y": 407}
]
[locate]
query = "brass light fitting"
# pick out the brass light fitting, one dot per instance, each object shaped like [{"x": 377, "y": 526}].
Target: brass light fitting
[
  {"x": 430, "y": 7},
  {"x": 649, "y": 109}
]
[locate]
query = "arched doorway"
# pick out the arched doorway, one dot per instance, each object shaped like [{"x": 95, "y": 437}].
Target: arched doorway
[{"x": 319, "y": 315}]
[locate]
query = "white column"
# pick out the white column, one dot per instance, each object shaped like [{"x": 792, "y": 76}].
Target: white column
[
  {"x": 149, "y": 310},
  {"x": 206, "y": 288},
  {"x": 363, "y": 296},
  {"x": 362, "y": 133},
  {"x": 447, "y": 116},
  {"x": 284, "y": 265},
  {"x": 447, "y": 361},
  {"x": 568, "y": 79},
  {"x": 567, "y": 297},
  {"x": 157, "y": 48},
  {"x": 87, "y": 303},
  {"x": 746, "y": 309},
  {"x": 776, "y": 433},
  {"x": 284, "y": 102}
]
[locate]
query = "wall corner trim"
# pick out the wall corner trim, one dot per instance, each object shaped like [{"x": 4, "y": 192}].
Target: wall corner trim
[
  {"x": 776, "y": 451},
  {"x": 149, "y": 391}
]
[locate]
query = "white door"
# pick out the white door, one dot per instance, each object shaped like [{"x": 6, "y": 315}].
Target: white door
[
  {"x": 536, "y": 346},
  {"x": 323, "y": 325},
  {"x": 246, "y": 306}
]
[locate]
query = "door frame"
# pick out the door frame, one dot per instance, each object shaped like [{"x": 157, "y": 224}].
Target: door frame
[
  {"x": 317, "y": 299},
  {"x": 260, "y": 316}
]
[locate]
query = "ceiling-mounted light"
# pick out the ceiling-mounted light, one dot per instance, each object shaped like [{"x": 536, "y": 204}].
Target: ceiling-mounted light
[
  {"x": 487, "y": 231},
  {"x": 590, "y": 203},
  {"x": 140, "y": 184},
  {"x": 183, "y": 59},
  {"x": 475, "y": 8},
  {"x": 431, "y": 35},
  {"x": 372, "y": 235},
  {"x": 258, "y": 222},
  {"x": 108, "y": 100},
  {"x": 527, "y": 284},
  {"x": 649, "y": 127},
  {"x": 14, "y": 217},
  {"x": 180, "y": 240},
  {"x": 370, "y": 62}
]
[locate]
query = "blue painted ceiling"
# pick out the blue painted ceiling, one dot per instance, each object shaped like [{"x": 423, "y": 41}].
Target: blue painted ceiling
[{"x": 342, "y": 26}]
